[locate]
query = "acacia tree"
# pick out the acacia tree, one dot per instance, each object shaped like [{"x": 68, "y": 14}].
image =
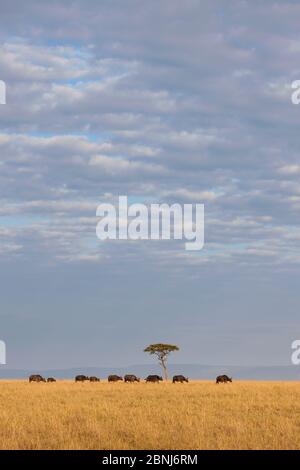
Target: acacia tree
[{"x": 162, "y": 351}]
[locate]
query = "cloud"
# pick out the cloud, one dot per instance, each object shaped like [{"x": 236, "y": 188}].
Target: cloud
[{"x": 290, "y": 170}]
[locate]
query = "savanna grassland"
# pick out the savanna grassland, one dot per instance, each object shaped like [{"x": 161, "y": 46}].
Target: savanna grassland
[{"x": 198, "y": 415}]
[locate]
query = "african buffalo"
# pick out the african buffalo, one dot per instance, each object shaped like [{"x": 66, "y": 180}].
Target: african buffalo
[
  {"x": 51, "y": 379},
  {"x": 153, "y": 378},
  {"x": 223, "y": 379},
  {"x": 180, "y": 379},
  {"x": 81, "y": 378},
  {"x": 114, "y": 378},
  {"x": 36, "y": 378},
  {"x": 94, "y": 379},
  {"x": 131, "y": 378}
]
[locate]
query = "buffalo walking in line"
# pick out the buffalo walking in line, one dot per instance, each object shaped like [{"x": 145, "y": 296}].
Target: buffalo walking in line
[
  {"x": 130, "y": 378},
  {"x": 223, "y": 379},
  {"x": 115, "y": 378},
  {"x": 51, "y": 379},
  {"x": 154, "y": 378},
  {"x": 94, "y": 379},
  {"x": 81, "y": 378},
  {"x": 180, "y": 379},
  {"x": 36, "y": 378}
]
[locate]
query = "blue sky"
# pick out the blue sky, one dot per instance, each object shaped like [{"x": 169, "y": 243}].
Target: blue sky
[{"x": 162, "y": 101}]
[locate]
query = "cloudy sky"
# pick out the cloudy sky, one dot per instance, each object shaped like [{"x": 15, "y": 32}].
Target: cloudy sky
[{"x": 163, "y": 101}]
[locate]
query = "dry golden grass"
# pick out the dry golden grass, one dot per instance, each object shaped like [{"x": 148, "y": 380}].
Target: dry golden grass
[{"x": 198, "y": 415}]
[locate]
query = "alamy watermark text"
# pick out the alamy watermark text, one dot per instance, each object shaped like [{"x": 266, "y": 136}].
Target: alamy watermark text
[
  {"x": 153, "y": 222},
  {"x": 2, "y": 92}
]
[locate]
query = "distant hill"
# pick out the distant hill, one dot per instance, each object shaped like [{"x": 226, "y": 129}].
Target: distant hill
[{"x": 193, "y": 371}]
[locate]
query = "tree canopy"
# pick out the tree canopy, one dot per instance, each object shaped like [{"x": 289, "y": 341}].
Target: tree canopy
[{"x": 161, "y": 348}]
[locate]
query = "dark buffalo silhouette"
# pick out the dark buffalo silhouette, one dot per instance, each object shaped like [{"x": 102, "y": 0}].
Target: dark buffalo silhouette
[
  {"x": 51, "y": 379},
  {"x": 94, "y": 379},
  {"x": 81, "y": 378},
  {"x": 223, "y": 379},
  {"x": 36, "y": 378},
  {"x": 114, "y": 378},
  {"x": 131, "y": 378},
  {"x": 180, "y": 379},
  {"x": 153, "y": 378}
]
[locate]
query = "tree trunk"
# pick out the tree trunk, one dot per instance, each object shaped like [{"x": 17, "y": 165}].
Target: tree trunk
[{"x": 164, "y": 366}]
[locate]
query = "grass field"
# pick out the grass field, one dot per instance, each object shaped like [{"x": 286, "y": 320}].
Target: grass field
[{"x": 198, "y": 415}]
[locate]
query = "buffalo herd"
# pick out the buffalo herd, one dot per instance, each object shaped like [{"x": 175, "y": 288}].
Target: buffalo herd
[{"x": 128, "y": 378}]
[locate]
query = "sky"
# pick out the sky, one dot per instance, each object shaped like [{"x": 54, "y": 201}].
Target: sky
[{"x": 165, "y": 102}]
